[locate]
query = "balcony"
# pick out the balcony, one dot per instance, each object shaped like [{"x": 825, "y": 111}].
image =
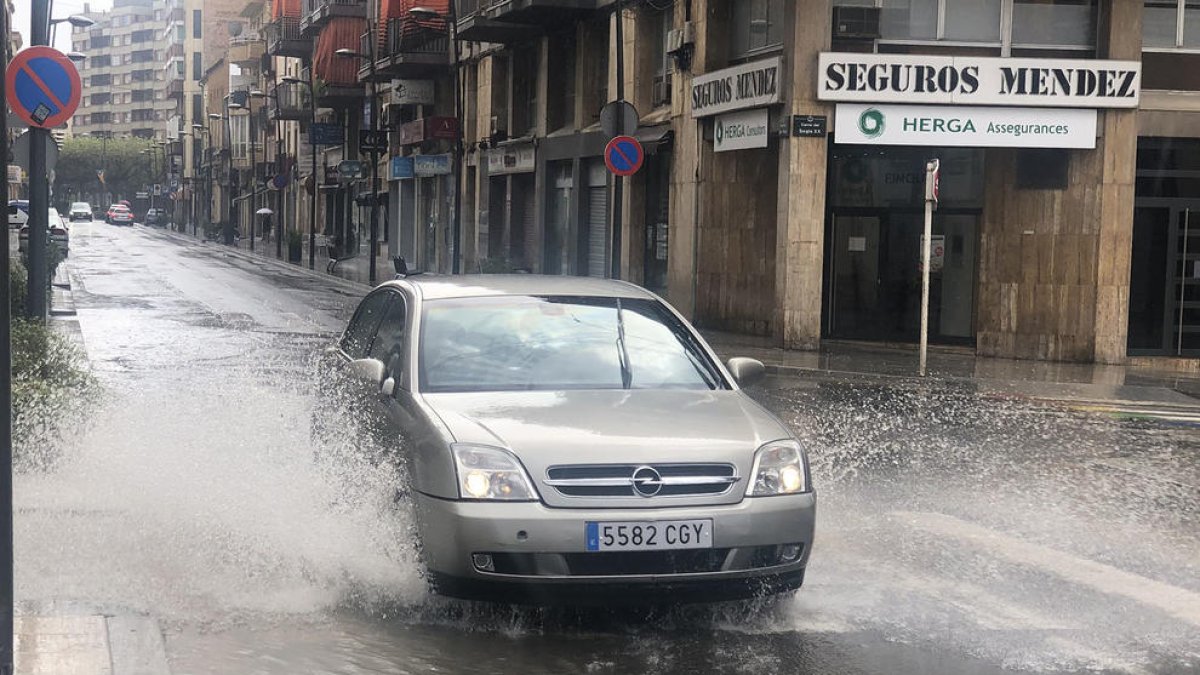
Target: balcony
[
  {"x": 475, "y": 26},
  {"x": 284, "y": 38},
  {"x": 315, "y": 13},
  {"x": 242, "y": 151},
  {"x": 246, "y": 49},
  {"x": 412, "y": 50},
  {"x": 290, "y": 102},
  {"x": 508, "y": 21},
  {"x": 175, "y": 88}
]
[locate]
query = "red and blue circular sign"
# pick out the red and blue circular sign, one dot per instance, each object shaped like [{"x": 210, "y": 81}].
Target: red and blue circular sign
[
  {"x": 624, "y": 155},
  {"x": 43, "y": 87}
]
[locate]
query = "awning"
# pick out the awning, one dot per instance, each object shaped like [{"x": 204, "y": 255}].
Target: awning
[
  {"x": 653, "y": 137},
  {"x": 342, "y": 32}
]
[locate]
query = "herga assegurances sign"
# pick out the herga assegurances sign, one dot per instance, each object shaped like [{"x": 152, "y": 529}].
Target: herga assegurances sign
[{"x": 970, "y": 80}]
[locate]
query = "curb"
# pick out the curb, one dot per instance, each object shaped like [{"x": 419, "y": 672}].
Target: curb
[{"x": 255, "y": 257}]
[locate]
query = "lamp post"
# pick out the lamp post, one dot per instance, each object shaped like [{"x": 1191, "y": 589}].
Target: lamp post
[
  {"x": 370, "y": 58},
  {"x": 76, "y": 20},
  {"x": 312, "y": 211},
  {"x": 199, "y": 136},
  {"x": 452, "y": 28}
]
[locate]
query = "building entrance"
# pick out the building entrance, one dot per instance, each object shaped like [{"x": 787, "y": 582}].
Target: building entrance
[
  {"x": 1164, "y": 283},
  {"x": 873, "y": 237}
]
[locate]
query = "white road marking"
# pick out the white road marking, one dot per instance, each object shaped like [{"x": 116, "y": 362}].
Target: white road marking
[{"x": 1178, "y": 602}]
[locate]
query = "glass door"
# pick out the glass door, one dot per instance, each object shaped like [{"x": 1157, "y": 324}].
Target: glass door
[{"x": 1164, "y": 283}]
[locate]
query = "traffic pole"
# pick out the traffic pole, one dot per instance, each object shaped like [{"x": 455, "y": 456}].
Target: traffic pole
[
  {"x": 39, "y": 184},
  {"x": 618, "y": 181},
  {"x": 931, "y": 195},
  {"x": 6, "y": 454}
]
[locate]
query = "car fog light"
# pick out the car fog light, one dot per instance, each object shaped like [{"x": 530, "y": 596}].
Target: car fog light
[
  {"x": 483, "y": 562},
  {"x": 790, "y": 552}
]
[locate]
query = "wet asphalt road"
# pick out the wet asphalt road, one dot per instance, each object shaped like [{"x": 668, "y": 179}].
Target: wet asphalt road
[{"x": 956, "y": 534}]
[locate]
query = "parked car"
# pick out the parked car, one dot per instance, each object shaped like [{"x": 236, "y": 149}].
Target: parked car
[
  {"x": 572, "y": 440},
  {"x": 60, "y": 234},
  {"x": 80, "y": 211},
  {"x": 119, "y": 215},
  {"x": 155, "y": 217},
  {"x": 18, "y": 213}
]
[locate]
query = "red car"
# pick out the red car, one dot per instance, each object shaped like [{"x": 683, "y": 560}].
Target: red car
[{"x": 119, "y": 214}]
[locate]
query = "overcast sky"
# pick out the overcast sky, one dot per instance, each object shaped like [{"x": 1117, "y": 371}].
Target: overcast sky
[{"x": 62, "y": 9}]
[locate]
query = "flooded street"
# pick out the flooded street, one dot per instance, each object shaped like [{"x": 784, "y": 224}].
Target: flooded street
[{"x": 957, "y": 532}]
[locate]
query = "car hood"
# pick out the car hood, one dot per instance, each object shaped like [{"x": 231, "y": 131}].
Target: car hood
[{"x": 547, "y": 429}]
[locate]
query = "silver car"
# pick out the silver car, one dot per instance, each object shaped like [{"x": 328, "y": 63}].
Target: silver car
[{"x": 571, "y": 440}]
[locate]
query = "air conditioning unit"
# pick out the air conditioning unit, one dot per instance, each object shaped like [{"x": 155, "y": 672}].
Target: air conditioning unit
[
  {"x": 678, "y": 38},
  {"x": 855, "y": 23}
]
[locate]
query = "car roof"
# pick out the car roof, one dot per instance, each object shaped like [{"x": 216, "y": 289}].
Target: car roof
[{"x": 434, "y": 287}]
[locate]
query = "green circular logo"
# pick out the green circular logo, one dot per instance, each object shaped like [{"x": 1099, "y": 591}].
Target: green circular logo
[
  {"x": 870, "y": 122},
  {"x": 720, "y": 131}
]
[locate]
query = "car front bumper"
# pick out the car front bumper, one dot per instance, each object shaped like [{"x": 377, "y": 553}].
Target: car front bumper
[{"x": 539, "y": 554}]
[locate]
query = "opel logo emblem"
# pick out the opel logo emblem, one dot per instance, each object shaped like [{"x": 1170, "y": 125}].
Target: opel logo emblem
[{"x": 647, "y": 482}]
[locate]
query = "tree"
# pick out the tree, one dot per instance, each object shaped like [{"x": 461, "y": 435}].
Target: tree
[{"x": 126, "y": 169}]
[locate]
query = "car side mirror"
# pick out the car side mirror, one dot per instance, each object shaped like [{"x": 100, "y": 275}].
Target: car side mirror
[
  {"x": 368, "y": 371},
  {"x": 746, "y": 371}
]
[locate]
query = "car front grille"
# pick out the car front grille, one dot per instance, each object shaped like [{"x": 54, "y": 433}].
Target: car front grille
[
  {"x": 638, "y": 563},
  {"x": 642, "y": 480}
]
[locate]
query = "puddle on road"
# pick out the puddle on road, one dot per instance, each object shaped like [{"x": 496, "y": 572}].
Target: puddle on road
[{"x": 193, "y": 496}]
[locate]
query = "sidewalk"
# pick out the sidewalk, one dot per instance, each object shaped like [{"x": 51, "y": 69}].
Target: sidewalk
[{"x": 355, "y": 269}]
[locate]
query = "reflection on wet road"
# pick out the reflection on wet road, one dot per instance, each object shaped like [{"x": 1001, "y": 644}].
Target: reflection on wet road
[{"x": 956, "y": 533}]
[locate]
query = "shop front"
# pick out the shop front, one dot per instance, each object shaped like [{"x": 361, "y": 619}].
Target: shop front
[{"x": 1015, "y": 235}]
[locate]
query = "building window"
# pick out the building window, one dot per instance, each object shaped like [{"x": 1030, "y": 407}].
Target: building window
[
  {"x": 1054, "y": 23},
  {"x": 101, "y": 99},
  {"x": 1171, "y": 24},
  {"x": 757, "y": 26},
  {"x": 197, "y": 109},
  {"x": 950, "y": 20},
  {"x": 524, "y": 97},
  {"x": 197, "y": 66},
  {"x": 101, "y": 80},
  {"x": 98, "y": 41},
  {"x": 661, "y": 23},
  {"x": 560, "y": 112},
  {"x": 139, "y": 36},
  {"x": 197, "y": 24}
]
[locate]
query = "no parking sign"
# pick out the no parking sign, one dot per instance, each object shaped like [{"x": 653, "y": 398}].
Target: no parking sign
[{"x": 43, "y": 87}]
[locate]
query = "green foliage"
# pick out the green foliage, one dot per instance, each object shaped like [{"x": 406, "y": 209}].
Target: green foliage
[
  {"x": 50, "y": 381},
  {"x": 18, "y": 289},
  {"x": 126, "y": 169}
]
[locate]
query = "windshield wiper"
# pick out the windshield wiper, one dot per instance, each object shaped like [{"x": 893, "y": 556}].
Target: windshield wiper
[{"x": 622, "y": 353}]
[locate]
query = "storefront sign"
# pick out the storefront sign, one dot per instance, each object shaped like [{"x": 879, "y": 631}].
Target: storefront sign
[
  {"x": 419, "y": 131},
  {"x": 511, "y": 159},
  {"x": 431, "y": 165},
  {"x": 326, "y": 134},
  {"x": 960, "y": 126},
  {"x": 400, "y": 168},
  {"x": 412, "y": 92},
  {"x": 749, "y": 85},
  {"x": 14, "y": 173},
  {"x": 974, "y": 80},
  {"x": 740, "y": 130}
]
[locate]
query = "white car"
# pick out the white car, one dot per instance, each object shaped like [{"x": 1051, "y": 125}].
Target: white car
[
  {"x": 80, "y": 211},
  {"x": 60, "y": 233}
]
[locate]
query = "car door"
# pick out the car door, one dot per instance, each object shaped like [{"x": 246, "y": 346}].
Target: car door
[{"x": 342, "y": 398}]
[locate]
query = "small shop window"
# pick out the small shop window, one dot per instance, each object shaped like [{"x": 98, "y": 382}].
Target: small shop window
[
  {"x": 950, "y": 20},
  {"x": 1171, "y": 24},
  {"x": 1054, "y": 23},
  {"x": 1042, "y": 169}
]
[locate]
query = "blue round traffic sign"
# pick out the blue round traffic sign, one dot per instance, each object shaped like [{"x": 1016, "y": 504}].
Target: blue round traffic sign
[
  {"x": 43, "y": 87},
  {"x": 624, "y": 155}
]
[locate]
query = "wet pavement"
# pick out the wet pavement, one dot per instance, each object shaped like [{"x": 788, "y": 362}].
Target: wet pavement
[{"x": 959, "y": 531}]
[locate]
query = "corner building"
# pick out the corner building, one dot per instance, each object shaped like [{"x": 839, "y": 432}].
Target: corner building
[{"x": 786, "y": 143}]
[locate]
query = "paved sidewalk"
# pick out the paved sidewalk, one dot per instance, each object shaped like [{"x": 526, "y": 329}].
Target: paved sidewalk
[{"x": 89, "y": 644}]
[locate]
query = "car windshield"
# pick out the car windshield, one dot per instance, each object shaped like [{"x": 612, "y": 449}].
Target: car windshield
[
  {"x": 80, "y": 206},
  {"x": 513, "y": 343}
]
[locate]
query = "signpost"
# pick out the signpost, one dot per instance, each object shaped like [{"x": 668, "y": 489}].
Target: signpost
[
  {"x": 931, "y": 199},
  {"x": 624, "y": 155},
  {"x": 43, "y": 87},
  {"x": 372, "y": 141}
]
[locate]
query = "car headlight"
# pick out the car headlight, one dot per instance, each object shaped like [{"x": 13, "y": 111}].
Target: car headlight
[
  {"x": 489, "y": 473},
  {"x": 780, "y": 468}
]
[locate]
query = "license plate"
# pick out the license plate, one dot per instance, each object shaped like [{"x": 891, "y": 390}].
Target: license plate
[{"x": 658, "y": 535}]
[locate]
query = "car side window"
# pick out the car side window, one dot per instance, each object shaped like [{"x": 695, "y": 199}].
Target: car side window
[
  {"x": 357, "y": 339},
  {"x": 388, "y": 345}
]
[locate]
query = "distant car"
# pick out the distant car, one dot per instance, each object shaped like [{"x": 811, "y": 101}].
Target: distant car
[
  {"x": 155, "y": 216},
  {"x": 80, "y": 211},
  {"x": 60, "y": 234},
  {"x": 571, "y": 439},
  {"x": 119, "y": 215},
  {"x": 18, "y": 213}
]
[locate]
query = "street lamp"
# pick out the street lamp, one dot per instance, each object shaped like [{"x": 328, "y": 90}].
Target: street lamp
[
  {"x": 370, "y": 58},
  {"x": 312, "y": 211},
  {"x": 76, "y": 20},
  {"x": 456, "y": 226}
]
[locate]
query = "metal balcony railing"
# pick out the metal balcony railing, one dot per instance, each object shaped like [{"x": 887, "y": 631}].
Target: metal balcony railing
[{"x": 284, "y": 38}]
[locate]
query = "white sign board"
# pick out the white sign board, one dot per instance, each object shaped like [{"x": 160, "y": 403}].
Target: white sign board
[
  {"x": 749, "y": 85},
  {"x": 976, "y": 80},
  {"x": 962, "y": 126},
  {"x": 412, "y": 92},
  {"x": 511, "y": 159},
  {"x": 740, "y": 130}
]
